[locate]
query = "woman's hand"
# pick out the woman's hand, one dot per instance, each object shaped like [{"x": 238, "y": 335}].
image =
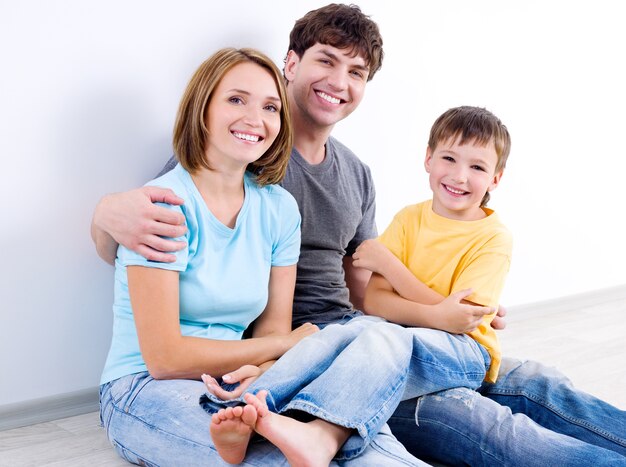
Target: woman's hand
[{"x": 245, "y": 376}]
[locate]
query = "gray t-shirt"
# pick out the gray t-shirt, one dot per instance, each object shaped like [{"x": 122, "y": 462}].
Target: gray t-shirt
[{"x": 336, "y": 201}]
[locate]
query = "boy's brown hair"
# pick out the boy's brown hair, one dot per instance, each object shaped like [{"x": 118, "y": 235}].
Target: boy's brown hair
[
  {"x": 343, "y": 27},
  {"x": 472, "y": 125},
  {"x": 190, "y": 131}
]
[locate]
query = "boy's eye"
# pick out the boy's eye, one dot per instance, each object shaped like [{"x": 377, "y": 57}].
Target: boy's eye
[
  {"x": 448, "y": 158},
  {"x": 478, "y": 167},
  {"x": 357, "y": 73}
]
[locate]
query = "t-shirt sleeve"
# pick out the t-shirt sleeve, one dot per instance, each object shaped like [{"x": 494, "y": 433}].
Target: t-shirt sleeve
[
  {"x": 126, "y": 257},
  {"x": 367, "y": 227},
  {"x": 286, "y": 247},
  {"x": 486, "y": 272},
  {"x": 394, "y": 236}
]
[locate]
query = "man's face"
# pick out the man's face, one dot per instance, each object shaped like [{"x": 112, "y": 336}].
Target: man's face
[{"x": 326, "y": 84}]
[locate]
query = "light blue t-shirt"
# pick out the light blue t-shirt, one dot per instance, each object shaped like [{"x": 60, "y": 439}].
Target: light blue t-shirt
[{"x": 224, "y": 272}]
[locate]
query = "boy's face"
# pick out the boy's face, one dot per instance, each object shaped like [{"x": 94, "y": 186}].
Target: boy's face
[
  {"x": 460, "y": 176},
  {"x": 326, "y": 84}
]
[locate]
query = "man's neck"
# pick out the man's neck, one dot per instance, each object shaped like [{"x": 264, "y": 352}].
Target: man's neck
[{"x": 310, "y": 140}]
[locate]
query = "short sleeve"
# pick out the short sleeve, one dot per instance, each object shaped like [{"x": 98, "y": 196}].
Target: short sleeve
[
  {"x": 486, "y": 273},
  {"x": 394, "y": 236},
  {"x": 286, "y": 247},
  {"x": 126, "y": 257}
]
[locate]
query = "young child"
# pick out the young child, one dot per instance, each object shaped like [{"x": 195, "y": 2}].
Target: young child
[{"x": 452, "y": 245}]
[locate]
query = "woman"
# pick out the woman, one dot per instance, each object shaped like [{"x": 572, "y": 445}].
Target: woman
[{"x": 175, "y": 321}]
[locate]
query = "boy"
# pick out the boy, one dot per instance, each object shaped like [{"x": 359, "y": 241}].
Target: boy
[{"x": 451, "y": 243}]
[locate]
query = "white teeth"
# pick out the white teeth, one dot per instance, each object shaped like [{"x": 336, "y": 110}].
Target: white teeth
[
  {"x": 452, "y": 190},
  {"x": 326, "y": 97},
  {"x": 246, "y": 137}
]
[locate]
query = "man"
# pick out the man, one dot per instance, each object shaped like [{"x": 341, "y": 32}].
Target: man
[{"x": 333, "y": 52}]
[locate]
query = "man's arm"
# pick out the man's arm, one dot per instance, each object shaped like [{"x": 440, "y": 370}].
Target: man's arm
[
  {"x": 356, "y": 281},
  {"x": 132, "y": 219}
]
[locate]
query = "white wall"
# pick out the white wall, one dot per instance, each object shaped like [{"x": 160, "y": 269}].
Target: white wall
[{"x": 89, "y": 90}]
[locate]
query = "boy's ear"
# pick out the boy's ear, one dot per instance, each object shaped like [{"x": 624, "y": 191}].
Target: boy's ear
[
  {"x": 429, "y": 156},
  {"x": 496, "y": 180},
  {"x": 291, "y": 65}
]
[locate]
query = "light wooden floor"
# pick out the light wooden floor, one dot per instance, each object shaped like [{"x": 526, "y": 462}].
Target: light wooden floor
[{"x": 587, "y": 343}]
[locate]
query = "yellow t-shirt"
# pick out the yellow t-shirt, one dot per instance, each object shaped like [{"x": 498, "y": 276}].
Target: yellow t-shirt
[{"x": 450, "y": 255}]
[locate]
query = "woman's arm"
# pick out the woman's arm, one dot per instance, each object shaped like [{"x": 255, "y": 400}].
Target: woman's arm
[{"x": 154, "y": 296}]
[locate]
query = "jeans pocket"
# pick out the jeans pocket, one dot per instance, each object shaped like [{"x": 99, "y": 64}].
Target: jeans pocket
[{"x": 124, "y": 390}]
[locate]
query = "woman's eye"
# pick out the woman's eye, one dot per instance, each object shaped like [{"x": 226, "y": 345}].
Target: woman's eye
[
  {"x": 235, "y": 100},
  {"x": 271, "y": 108}
]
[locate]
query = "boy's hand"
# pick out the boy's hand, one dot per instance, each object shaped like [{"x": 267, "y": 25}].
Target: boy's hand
[
  {"x": 134, "y": 221},
  {"x": 457, "y": 317},
  {"x": 374, "y": 256},
  {"x": 499, "y": 323}
]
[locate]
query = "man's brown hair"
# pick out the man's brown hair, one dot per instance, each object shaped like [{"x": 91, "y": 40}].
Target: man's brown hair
[{"x": 343, "y": 27}]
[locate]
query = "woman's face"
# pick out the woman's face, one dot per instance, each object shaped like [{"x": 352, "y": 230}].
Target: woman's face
[{"x": 243, "y": 117}]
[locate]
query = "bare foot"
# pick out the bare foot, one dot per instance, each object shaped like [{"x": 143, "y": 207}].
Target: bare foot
[
  {"x": 231, "y": 429},
  {"x": 310, "y": 444}
]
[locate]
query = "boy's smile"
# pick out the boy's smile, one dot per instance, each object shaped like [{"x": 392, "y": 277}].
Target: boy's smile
[{"x": 460, "y": 175}]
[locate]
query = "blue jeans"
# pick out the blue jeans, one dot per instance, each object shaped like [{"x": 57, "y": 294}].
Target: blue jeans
[
  {"x": 531, "y": 416},
  {"x": 355, "y": 375},
  {"x": 152, "y": 422}
]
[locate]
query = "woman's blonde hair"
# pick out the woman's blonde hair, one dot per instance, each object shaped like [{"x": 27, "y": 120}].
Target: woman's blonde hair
[{"x": 190, "y": 131}]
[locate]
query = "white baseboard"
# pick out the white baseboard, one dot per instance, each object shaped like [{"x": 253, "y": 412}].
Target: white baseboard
[
  {"x": 48, "y": 408},
  {"x": 86, "y": 400}
]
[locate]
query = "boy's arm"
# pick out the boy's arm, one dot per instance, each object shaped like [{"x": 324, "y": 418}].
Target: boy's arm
[
  {"x": 374, "y": 256},
  {"x": 131, "y": 219},
  {"x": 451, "y": 315}
]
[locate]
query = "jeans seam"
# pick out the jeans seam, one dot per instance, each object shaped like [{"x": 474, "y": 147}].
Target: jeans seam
[
  {"x": 479, "y": 446},
  {"x": 554, "y": 409},
  {"x": 388, "y": 453},
  {"x": 156, "y": 428}
]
